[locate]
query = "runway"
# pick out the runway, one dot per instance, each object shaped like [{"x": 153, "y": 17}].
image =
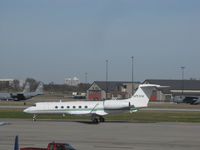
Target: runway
[{"x": 105, "y": 136}]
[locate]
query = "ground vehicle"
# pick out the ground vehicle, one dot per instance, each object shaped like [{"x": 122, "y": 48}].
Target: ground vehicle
[{"x": 52, "y": 146}]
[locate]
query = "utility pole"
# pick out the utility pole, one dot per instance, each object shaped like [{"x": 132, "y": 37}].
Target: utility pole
[
  {"x": 86, "y": 74},
  {"x": 106, "y": 78},
  {"x": 132, "y": 76},
  {"x": 182, "y": 68}
]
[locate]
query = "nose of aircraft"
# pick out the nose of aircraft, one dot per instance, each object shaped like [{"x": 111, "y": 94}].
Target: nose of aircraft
[{"x": 25, "y": 110}]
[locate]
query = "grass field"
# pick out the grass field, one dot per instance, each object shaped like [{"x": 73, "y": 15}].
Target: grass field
[{"x": 140, "y": 116}]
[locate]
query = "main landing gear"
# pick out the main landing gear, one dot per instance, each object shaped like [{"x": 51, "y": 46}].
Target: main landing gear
[
  {"x": 101, "y": 119},
  {"x": 96, "y": 120}
]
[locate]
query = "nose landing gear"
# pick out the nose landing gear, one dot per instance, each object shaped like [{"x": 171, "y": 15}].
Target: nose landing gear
[{"x": 34, "y": 117}]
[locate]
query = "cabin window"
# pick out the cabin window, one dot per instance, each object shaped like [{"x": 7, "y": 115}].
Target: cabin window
[
  {"x": 56, "y": 107},
  {"x": 79, "y": 107},
  {"x": 86, "y": 106},
  {"x": 68, "y": 107},
  {"x": 74, "y": 106},
  {"x": 62, "y": 107}
]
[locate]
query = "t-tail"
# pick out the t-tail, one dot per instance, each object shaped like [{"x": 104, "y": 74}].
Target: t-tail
[{"x": 142, "y": 96}]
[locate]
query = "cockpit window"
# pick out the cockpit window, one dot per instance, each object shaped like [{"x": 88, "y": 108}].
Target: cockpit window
[{"x": 34, "y": 105}]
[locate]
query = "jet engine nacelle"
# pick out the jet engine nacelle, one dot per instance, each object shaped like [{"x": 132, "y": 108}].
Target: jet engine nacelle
[{"x": 115, "y": 104}]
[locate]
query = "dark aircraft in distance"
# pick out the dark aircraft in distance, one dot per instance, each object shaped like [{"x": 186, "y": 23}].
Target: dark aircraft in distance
[
  {"x": 11, "y": 96},
  {"x": 26, "y": 94}
]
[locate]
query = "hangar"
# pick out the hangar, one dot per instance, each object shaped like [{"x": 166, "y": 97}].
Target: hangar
[
  {"x": 113, "y": 89},
  {"x": 176, "y": 88},
  {"x": 123, "y": 89}
]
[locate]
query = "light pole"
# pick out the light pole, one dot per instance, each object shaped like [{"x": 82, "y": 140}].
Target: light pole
[
  {"x": 106, "y": 78},
  {"x": 86, "y": 77},
  {"x": 182, "y": 68},
  {"x": 132, "y": 76}
]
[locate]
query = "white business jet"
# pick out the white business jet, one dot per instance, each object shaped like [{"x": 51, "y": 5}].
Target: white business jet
[{"x": 96, "y": 109}]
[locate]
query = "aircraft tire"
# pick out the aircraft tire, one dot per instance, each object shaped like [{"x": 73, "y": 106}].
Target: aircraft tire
[
  {"x": 95, "y": 120},
  {"x": 101, "y": 119}
]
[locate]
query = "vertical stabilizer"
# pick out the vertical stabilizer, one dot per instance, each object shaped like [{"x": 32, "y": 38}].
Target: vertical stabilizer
[
  {"x": 142, "y": 95},
  {"x": 39, "y": 89},
  {"x": 26, "y": 88}
]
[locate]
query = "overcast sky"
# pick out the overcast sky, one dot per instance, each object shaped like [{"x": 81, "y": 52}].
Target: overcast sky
[{"x": 50, "y": 40}]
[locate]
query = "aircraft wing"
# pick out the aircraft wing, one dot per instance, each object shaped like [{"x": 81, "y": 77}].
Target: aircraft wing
[
  {"x": 5, "y": 96},
  {"x": 97, "y": 112}
]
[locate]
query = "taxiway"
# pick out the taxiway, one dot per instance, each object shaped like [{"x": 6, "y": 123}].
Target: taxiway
[{"x": 105, "y": 136}]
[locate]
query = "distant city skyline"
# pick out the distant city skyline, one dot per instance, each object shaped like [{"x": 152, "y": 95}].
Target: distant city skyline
[{"x": 50, "y": 40}]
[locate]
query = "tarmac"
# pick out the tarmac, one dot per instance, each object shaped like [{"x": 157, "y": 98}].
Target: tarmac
[{"x": 105, "y": 136}]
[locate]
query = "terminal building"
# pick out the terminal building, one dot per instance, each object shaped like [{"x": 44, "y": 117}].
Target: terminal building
[
  {"x": 72, "y": 81},
  {"x": 8, "y": 81},
  {"x": 5, "y": 83}
]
